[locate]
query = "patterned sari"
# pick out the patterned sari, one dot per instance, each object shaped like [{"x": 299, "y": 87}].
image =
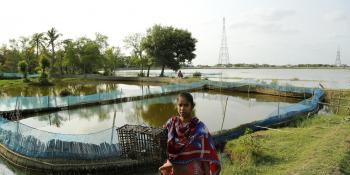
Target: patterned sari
[{"x": 189, "y": 143}]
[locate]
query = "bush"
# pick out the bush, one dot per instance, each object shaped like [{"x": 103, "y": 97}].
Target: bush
[
  {"x": 65, "y": 92},
  {"x": 26, "y": 80},
  {"x": 141, "y": 74},
  {"x": 106, "y": 73},
  {"x": 245, "y": 151},
  {"x": 197, "y": 74},
  {"x": 43, "y": 79}
]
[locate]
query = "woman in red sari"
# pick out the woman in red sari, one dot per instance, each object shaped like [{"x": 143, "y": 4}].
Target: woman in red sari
[{"x": 190, "y": 146}]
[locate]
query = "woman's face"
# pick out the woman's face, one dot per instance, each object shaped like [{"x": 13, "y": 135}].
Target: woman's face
[{"x": 184, "y": 107}]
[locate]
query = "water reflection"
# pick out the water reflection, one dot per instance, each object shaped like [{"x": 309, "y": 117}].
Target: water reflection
[
  {"x": 78, "y": 87},
  {"x": 241, "y": 108}
]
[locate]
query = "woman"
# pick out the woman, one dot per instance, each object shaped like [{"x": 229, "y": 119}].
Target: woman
[{"x": 190, "y": 145}]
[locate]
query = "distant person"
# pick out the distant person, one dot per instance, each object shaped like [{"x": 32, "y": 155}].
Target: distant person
[
  {"x": 190, "y": 146},
  {"x": 179, "y": 74}
]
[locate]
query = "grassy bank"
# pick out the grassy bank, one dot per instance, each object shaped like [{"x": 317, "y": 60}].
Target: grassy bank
[
  {"x": 16, "y": 83},
  {"x": 319, "y": 145},
  {"x": 33, "y": 81}
]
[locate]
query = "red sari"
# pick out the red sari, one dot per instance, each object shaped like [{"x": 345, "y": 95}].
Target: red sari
[{"x": 190, "y": 143}]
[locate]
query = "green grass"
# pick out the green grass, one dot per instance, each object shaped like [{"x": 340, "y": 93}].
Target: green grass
[
  {"x": 20, "y": 83},
  {"x": 13, "y": 83},
  {"x": 319, "y": 145}
]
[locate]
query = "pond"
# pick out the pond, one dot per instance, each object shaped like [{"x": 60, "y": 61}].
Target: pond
[
  {"x": 76, "y": 87},
  {"x": 241, "y": 108}
]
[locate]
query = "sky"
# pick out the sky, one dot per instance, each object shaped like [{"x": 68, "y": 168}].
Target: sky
[{"x": 258, "y": 31}]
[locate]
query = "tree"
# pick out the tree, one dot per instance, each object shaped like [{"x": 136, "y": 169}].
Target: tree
[
  {"x": 134, "y": 42},
  {"x": 90, "y": 55},
  {"x": 149, "y": 62},
  {"x": 113, "y": 59},
  {"x": 27, "y": 53},
  {"x": 71, "y": 58},
  {"x": 52, "y": 37},
  {"x": 37, "y": 41},
  {"x": 22, "y": 67},
  {"x": 101, "y": 40},
  {"x": 44, "y": 63},
  {"x": 2, "y": 55},
  {"x": 12, "y": 56},
  {"x": 169, "y": 46}
]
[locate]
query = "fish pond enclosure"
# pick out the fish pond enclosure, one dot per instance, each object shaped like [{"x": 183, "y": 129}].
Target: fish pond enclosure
[{"x": 135, "y": 145}]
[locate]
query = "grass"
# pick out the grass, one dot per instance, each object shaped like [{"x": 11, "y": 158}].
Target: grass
[
  {"x": 317, "y": 145},
  {"x": 339, "y": 97},
  {"x": 14, "y": 83}
]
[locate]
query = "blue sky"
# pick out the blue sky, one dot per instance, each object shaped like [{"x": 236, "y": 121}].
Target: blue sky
[{"x": 258, "y": 31}]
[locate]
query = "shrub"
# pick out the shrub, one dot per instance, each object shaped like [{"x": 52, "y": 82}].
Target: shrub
[
  {"x": 197, "y": 74},
  {"x": 22, "y": 67},
  {"x": 246, "y": 150},
  {"x": 43, "y": 79},
  {"x": 65, "y": 92},
  {"x": 141, "y": 74}
]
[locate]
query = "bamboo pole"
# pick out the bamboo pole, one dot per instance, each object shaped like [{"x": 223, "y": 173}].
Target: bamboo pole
[
  {"x": 223, "y": 118},
  {"x": 339, "y": 102}
]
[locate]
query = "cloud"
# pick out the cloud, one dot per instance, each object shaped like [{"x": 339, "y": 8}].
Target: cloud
[
  {"x": 266, "y": 14},
  {"x": 335, "y": 16},
  {"x": 264, "y": 20}
]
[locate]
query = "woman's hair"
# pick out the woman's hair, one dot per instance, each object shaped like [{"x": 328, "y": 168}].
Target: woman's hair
[{"x": 187, "y": 96}]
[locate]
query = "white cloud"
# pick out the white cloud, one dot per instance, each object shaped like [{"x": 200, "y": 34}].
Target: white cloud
[
  {"x": 264, "y": 20},
  {"x": 335, "y": 16}
]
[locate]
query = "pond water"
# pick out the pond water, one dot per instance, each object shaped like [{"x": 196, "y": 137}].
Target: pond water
[
  {"x": 241, "y": 109},
  {"x": 76, "y": 87},
  {"x": 329, "y": 78}
]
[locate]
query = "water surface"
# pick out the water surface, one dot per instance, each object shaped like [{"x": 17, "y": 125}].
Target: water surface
[
  {"x": 330, "y": 78},
  {"x": 154, "y": 112}
]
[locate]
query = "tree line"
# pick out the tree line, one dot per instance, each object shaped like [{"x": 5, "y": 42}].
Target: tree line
[{"x": 48, "y": 53}]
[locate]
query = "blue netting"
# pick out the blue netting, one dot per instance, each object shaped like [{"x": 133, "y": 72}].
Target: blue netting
[
  {"x": 280, "y": 115},
  {"x": 16, "y": 75},
  {"x": 37, "y": 143},
  {"x": 41, "y": 144},
  {"x": 37, "y": 102}
]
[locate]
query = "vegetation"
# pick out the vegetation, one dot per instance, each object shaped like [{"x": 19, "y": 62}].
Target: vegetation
[
  {"x": 320, "y": 145},
  {"x": 22, "y": 67},
  {"x": 197, "y": 74},
  {"x": 84, "y": 55},
  {"x": 317, "y": 145},
  {"x": 169, "y": 46}
]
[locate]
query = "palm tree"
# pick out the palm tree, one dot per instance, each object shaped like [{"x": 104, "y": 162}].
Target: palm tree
[
  {"x": 38, "y": 41},
  {"x": 52, "y": 37}
]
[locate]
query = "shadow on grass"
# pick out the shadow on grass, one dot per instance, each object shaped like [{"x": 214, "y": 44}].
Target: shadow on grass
[
  {"x": 265, "y": 159},
  {"x": 253, "y": 167},
  {"x": 345, "y": 163}
]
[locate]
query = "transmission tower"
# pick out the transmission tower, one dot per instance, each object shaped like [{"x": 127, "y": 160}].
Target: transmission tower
[
  {"x": 337, "y": 60},
  {"x": 224, "y": 57}
]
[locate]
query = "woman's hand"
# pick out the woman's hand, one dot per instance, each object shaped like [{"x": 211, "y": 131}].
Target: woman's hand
[{"x": 166, "y": 168}]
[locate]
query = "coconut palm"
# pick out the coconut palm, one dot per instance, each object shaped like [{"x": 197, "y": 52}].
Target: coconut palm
[
  {"x": 52, "y": 37},
  {"x": 38, "y": 40}
]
